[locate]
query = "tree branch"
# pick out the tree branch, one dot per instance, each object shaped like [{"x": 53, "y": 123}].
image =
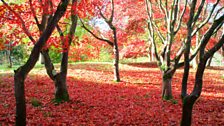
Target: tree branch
[
  {"x": 206, "y": 20},
  {"x": 105, "y": 40},
  {"x": 181, "y": 18}
]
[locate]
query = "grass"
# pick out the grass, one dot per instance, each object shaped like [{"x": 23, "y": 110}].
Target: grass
[{"x": 5, "y": 68}]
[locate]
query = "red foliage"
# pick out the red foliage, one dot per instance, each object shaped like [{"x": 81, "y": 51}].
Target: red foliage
[
  {"x": 134, "y": 49},
  {"x": 97, "y": 100},
  {"x": 86, "y": 49}
]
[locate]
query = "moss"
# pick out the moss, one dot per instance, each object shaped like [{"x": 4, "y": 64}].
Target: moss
[
  {"x": 163, "y": 67},
  {"x": 60, "y": 99},
  {"x": 35, "y": 102},
  {"x": 174, "y": 101},
  {"x": 116, "y": 81},
  {"x": 167, "y": 97},
  {"x": 167, "y": 76}
]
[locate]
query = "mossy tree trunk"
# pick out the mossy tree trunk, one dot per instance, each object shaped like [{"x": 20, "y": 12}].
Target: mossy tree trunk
[
  {"x": 61, "y": 92},
  {"x": 167, "y": 85}
]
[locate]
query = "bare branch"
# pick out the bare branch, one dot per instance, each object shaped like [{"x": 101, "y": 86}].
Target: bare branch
[
  {"x": 198, "y": 12},
  {"x": 102, "y": 15},
  {"x": 215, "y": 48},
  {"x": 215, "y": 27},
  {"x": 105, "y": 40},
  {"x": 181, "y": 18},
  {"x": 151, "y": 29},
  {"x": 162, "y": 9},
  {"x": 206, "y": 20},
  {"x": 159, "y": 33},
  {"x": 112, "y": 12},
  {"x": 175, "y": 13}
]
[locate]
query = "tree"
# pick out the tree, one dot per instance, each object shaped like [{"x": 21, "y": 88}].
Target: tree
[
  {"x": 113, "y": 42},
  {"x": 189, "y": 100},
  {"x": 168, "y": 22},
  {"x": 46, "y": 11},
  {"x": 61, "y": 93},
  {"x": 22, "y": 72}
]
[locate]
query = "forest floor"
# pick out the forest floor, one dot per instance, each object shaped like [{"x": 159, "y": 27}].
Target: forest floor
[{"x": 95, "y": 99}]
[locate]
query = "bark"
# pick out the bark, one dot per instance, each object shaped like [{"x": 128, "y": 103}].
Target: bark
[
  {"x": 187, "y": 110},
  {"x": 116, "y": 58},
  {"x": 10, "y": 55},
  {"x": 48, "y": 64},
  {"x": 187, "y": 50},
  {"x": 21, "y": 72},
  {"x": 20, "y": 99},
  {"x": 152, "y": 53},
  {"x": 61, "y": 92},
  {"x": 184, "y": 80},
  {"x": 167, "y": 86},
  {"x": 42, "y": 61},
  {"x": 189, "y": 101}
]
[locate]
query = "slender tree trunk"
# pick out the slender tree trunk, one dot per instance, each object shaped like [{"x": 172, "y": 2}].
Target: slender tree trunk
[
  {"x": 20, "y": 99},
  {"x": 167, "y": 86},
  {"x": 189, "y": 101},
  {"x": 116, "y": 55},
  {"x": 116, "y": 63},
  {"x": 10, "y": 55},
  {"x": 184, "y": 80},
  {"x": 187, "y": 110},
  {"x": 196, "y": 59},
  {"x": 152, "y": 53}
]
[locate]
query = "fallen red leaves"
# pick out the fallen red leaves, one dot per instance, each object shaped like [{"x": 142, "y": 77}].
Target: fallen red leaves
[{"x": 97, "y": 100}]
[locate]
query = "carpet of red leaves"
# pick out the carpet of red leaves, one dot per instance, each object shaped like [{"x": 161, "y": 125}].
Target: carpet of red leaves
[{"x": 97, "y": 100}]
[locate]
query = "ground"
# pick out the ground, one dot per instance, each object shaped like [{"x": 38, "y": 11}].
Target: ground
[{"x": 97, "y": 100}]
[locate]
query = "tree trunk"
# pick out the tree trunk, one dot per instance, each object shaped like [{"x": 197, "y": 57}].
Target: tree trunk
[
  {"x": 152, "y": 53},
  {"x": 20, "y": 99},
  {"x": 61, "y": 92},
  {"x": 116, "y": 63},
  {"x": 189, "y": 101},
  {"x": 184, "y": 79},
  {"x": 116, "y": 55},
  {"x": 167, "y": 87},
  {"x": 10, "y": 55}
]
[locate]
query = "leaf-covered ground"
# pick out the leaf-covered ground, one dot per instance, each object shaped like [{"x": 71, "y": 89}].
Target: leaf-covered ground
[{"x": 97, "y": 100}]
